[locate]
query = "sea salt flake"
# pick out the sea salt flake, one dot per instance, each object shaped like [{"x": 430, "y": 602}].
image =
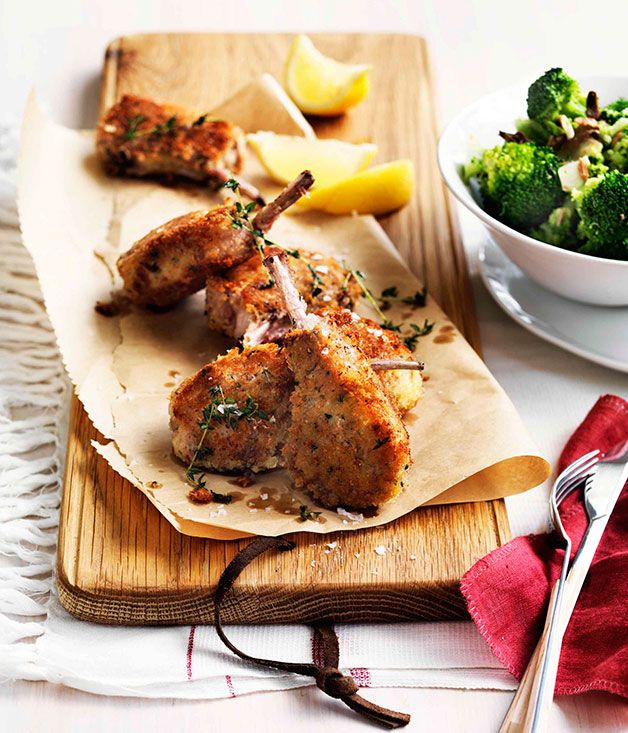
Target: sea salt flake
[
  {"x": 412, "y": 557},
  {"x": 353, "y": 517},
  {"x": 356, "y": 555},
  {"x": 380, "y": 550},
  {"x": 313, "y": 563},
  {"x": 323, "y": 269},
  {"x": 332, "y": 545},
  {"x": 263, "y": 497},
  {"x": 252, "y": 511}
]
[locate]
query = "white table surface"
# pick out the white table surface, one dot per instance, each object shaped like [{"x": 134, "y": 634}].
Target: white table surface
[{"x": 476, "y": 46}]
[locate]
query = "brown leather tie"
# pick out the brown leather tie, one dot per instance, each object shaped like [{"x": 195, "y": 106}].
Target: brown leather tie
[{"x": 328, "y": 677}]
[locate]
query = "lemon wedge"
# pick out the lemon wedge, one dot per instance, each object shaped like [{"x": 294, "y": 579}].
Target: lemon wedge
[
  {"x": 319, "y": 85},
  {"x": 376, "y": 191},
  {"x": 285, "y": 156}
]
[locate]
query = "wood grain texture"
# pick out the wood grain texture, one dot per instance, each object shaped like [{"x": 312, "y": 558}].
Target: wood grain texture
[{"x": 119, "y": 561}]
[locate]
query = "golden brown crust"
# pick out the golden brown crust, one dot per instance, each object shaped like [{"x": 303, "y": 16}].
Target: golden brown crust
[
  {"x": 346, "y": 445},
  {"x": 375, "y": 342},
  {"x": 261, "y": 369},
  {"x": 137, "y": 137},
  {"x": 239, "y": 299},
  {"x": 254, "y": 444},
  {"x": 175, "y": 259}
]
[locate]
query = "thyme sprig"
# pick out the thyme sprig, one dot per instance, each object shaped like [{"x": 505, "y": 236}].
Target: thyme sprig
[
  {"x": 388, "y": 294},
  {"x": 161, "y": 128},
  {"x": 317, "y": 281},
  {"x": 220, "y": 410},
  {"x": 305, "y": 513},
  {"x": 392, "y": 294},
  {"x": 241, "y": 219}
]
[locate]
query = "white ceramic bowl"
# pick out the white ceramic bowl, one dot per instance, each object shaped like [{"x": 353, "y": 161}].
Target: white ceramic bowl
[{"x": 571, "y": 274}]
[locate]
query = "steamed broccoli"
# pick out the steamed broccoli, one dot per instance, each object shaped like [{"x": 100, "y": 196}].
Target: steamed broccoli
[
  {"x": 603, "y": 208},
  {"x": 560, "y": 229},
  {"x": 615, "y": 110},
  {"x": 518, "y": 183},
  {"x": 550, "y": 96}
]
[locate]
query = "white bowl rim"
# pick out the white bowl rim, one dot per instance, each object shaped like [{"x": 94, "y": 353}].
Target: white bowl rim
[{"x": 475, "y": 208}]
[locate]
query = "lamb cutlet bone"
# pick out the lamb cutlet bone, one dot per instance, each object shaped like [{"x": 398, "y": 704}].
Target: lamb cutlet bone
[
  {"x": 297, "y": 311},
  {"x": 174, "y": 260}
]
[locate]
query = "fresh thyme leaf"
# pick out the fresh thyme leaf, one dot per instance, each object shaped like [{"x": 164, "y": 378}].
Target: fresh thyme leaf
[
  {"x": 133, "y": 127},
  {"x": 327, "y": 415},
  {"x": 292, "y": 252},
  {"x": 168, "y": 126},
  {"x": 359, "y": 278},
  {"x": 305, "y": 513},
  {"x": 380, "y": 442},
  {"x": 423, "y": 330},
  {"x": 417, "y": 300},
  {"x": 200, "y": 121},
  {"x": 317, "y": 282},
  {"x": 220, "y": 410},
  {"x": 391, "y": 292},
  {"x": 221, "y": 498},
  {"x": 231, "y": 184},
  {"x": 411, "y": 341},
  {"x": 390, "y": 326}
]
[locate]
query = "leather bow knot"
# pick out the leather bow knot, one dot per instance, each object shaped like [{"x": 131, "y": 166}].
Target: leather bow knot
[{"x": 331, "y": 681}]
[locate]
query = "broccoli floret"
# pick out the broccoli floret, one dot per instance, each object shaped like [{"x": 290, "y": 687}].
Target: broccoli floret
[
  {"x": 561, "y": 227},
  {"x": 613, "y": 111},
  {"x": 518, "y": 183},
  {"x": 615, "y": 139},
  {"x": 617, "y": 154},
  {"x": 552, "y": 95},
  {"x": 603, "y": 209}
]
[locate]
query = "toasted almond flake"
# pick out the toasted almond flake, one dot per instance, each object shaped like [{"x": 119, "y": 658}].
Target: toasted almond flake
[{"x": 565, "y": 123}]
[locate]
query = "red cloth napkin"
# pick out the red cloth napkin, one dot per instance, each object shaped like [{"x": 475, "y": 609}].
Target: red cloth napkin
[{"x": 507, "y": 592}]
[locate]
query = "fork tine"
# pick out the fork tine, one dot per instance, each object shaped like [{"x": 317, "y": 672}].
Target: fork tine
[
  {"x": 570, "y": 484},
  {"x": 576, "y": 466}
]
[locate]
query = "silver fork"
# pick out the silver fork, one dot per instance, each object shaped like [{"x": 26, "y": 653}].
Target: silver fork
[
  {"x": 566, "y": 483},
  {"x": 602, "y": 489}
]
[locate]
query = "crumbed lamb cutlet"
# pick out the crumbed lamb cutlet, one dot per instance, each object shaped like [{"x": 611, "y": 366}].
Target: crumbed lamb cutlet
[
  {"x": 346, "y": 444},
  {"x": 174, "y": 260},
  {"x": 261, "y": 373},
  {"x": 138, "y": 137},
  {"x": 244, "y": 303}
]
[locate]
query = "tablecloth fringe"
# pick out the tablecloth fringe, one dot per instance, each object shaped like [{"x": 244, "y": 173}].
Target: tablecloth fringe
[{"x": 32, "y": 422}]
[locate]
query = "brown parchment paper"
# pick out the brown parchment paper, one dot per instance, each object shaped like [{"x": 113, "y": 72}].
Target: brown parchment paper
[{"x": 467, "y": 440}]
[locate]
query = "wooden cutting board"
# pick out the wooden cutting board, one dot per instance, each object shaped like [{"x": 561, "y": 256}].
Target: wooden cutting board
[{"x": 119, "y": 560}]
